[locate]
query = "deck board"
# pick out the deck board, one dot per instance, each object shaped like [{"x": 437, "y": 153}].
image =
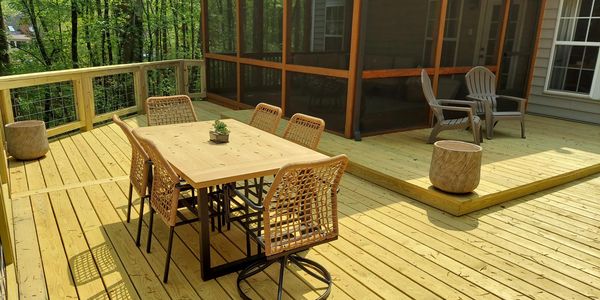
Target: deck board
[
  {"x": 72, "y": 239},
  {"x": 555, "y": 152}
]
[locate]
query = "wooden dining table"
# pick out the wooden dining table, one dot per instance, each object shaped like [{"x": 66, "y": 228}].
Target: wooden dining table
[{"x": 250, "y": 153}]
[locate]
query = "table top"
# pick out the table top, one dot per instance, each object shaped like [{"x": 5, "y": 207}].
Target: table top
[{"x": 250, "y": 153}]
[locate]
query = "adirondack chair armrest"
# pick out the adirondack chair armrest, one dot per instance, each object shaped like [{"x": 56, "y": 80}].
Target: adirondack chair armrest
[
  {"x": 471, "y": 104},
  {"x": 467, "y": 110},
  {"x": 512, "y": 98}
]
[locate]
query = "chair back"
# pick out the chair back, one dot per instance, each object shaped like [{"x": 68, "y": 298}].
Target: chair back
[
  {"x": 266, "y": 117},
  {"x": 481, "y": 83},
  {"x": 300, "y": 209},
  {"x": 140, "y": 167},
  {"x": 304, "y": 130},
  {"x": 430, "y": 96},
  {"x": 170, "y": 110},
  {"x": 165, "y": 184}
]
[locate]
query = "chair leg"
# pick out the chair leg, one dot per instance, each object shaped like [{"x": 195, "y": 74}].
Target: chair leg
[
  {"x": 129, "y": 202},
  {"x": 283, "y": 262},
  {"x": 522, "y": 128},
  {"x": 169, "y": 248},
  {"x": 476, "y": 132},
  {"x": 434, "y": 133},
  {"x": 489, "y": 129},
  {"x": 148, "y": 244},
  {"x": 140, "y": 221}
]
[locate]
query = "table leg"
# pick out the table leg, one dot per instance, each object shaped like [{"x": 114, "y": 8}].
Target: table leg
[
  {"x": 208, "y": 272},
  {"x": 204, "y": 233}
]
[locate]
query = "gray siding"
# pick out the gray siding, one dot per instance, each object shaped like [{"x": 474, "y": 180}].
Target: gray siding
[{"x": 559, "y": 106}]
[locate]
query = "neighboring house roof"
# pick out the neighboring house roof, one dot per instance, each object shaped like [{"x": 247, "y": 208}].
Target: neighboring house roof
[{"x": 17, "y": 30}]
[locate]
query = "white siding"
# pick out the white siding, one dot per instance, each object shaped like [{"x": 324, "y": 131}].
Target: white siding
[{"x": 559, "y": 106}]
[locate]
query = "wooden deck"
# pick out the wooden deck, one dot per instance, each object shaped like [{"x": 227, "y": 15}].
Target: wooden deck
[
  {"x": 555, "y": 152},
  {"x": 72, "y": 241}
]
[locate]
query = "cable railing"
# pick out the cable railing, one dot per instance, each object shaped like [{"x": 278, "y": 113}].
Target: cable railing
[{"x": 75, "y": 99}]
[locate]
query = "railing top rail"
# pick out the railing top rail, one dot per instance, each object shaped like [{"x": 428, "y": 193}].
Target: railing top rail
[{"x": 91, "y": 70}]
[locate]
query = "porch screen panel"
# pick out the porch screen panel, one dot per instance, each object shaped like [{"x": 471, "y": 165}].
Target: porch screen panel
[
  {"x": 471, "y": 37},
  {"x": 261, "y": 85},
  {"x": 518, "y": 47},
  {"x": 319, "y": 96},
  {"x": 393, "y": 103},
  {"x": 222, "y": 26},
  {"x": 262, "y": 29},
  {"x": 222, "y": 78},
  {"x": 401, "y": 34},
  {"x": 320, "y": 32}
]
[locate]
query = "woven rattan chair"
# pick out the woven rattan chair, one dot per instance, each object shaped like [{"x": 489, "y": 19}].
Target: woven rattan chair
[
  {"x": 266, "y": 117},
  {"x": 304, "y": 130},
  {"x": 165, "y": 198},
  {"x": 139, "y": 174},
  {"x": 299, "y": 212},
  {"x": 481, "y": 83},
  {"x": 438, "y": 106},
  {"x": 170, "y": 110}
]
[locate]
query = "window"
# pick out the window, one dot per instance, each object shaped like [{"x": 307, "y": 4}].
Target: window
[
  {"x": 575, "y": 62},
  {"x": 334, "y": 26}
]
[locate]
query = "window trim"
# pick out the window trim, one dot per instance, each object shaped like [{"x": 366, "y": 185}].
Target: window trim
[{"x": 595, "y": 88}]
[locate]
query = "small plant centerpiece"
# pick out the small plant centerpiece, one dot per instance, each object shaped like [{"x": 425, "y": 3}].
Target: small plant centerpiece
[{"x": 220, "y": 132}]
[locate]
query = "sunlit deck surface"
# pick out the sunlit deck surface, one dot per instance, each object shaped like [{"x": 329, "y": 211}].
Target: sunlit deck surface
[
  {"x": 556, "y": 152},
  {"x": 72, "y": 239}
]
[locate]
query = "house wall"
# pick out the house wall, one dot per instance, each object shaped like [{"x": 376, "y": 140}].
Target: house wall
[{"x": 573, "y": 108}]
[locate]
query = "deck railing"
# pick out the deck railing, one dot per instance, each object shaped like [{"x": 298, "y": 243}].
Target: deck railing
[{"x": 74, "y": 99}]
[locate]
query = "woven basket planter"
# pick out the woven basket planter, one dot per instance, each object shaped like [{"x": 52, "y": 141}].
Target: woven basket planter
[
  {"x": 455, "y": 166},
  {"x": 26, "y": 140}
]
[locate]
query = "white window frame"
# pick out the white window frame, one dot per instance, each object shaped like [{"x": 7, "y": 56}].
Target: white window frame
[{"x": 595, "y": 88}]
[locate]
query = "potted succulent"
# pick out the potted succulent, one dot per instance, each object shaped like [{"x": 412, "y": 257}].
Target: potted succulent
[{"x": 220, "y": 132}]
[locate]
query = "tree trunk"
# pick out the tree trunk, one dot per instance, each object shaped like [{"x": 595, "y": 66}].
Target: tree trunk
[
  {"x": 108, "y": 39},
  {"x": 4, "y": 57},
  {"x": 88, "y": 38},
  {"x": 74, "y": 53},
  {"x": 103, "y": 38}
]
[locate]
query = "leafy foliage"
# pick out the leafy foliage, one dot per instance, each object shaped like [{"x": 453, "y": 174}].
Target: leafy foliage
[{"x": 220, "y": 127}]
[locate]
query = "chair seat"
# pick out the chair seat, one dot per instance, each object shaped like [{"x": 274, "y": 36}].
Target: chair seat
[
  {"x": 460, "y": 122},
  {"x": 506, "y": 114}
]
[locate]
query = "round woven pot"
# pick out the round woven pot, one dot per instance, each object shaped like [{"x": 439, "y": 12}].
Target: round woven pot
[
  {"x": 455, "y": 166},
  {"x": 26, "y": 140}
]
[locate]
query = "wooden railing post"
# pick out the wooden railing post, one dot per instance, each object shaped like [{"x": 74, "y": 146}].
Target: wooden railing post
[
  {"x": 6, "y": 118},
  {"x": 203, "y": 78},
  {"x": 179, "y": 77},
  {"x": 185, "y": 68},
  {"x": 140, "y": 85},
  {"x": 7, "y": 110},
  {"x": 84, "y": 97}
]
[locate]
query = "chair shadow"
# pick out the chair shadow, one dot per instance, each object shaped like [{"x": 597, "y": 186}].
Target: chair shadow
[{"x": 88, "y": 265}]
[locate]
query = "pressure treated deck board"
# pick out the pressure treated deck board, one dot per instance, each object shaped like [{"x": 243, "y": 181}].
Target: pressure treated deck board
[
  {"x": 544, "y": 245},
  {"x": 555, "y": 152}
]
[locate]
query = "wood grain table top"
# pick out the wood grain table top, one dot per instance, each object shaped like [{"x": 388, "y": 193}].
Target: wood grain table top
[{"x": 250, "y": 153}]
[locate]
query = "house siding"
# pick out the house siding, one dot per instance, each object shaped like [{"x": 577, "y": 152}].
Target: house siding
[{"x": 573, "y": 108}]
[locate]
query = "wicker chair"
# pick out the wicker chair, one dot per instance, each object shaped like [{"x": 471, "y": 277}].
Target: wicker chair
[
  {"x": 266, "y": 117},
  {"x": 481, "y": 83},
  {"x": 170, "y": 110},
  {"x": 299, "y": 212},
  {"x": 438, "y": 106},
  {"x": 165, "y": 197},
  {"x": 139, "y": 175},
  {"x": 304, "y": 130}
]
